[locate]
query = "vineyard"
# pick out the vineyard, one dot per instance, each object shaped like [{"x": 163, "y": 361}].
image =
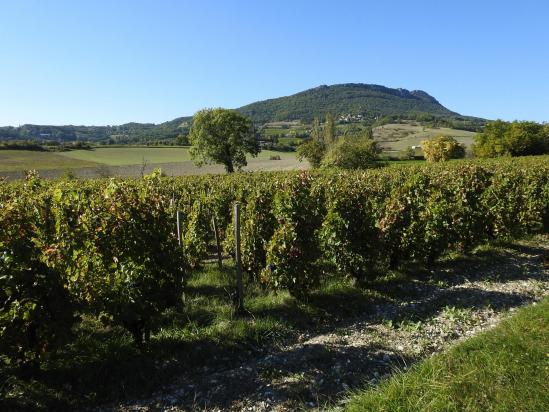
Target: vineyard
[{"x": 109, "y": 249}]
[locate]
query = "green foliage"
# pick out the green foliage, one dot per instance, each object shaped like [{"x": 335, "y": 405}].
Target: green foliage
[
  {"x": 222, "y": 136},
  {"x": 501, "y": 138},
  {"x": 293, "y": 250},
  {"x": 125, "y": 133},
  {"x": 329, "y": 130},
  {"x": 409, "y": 153},
  {"x": 442, "y": 148},
  {"x": 313, "y": 151},
  {"x": 109, "y": 244},
  {"x": 258, "y": 226},
  {"x": 36, "y": 313},
  {"x": 349, "y": 238},
  {"x": 196, "y": 234},
  {"x": 349, "y": 99},
  {"x": 352, "y": 153},
  {"x": 108, "y": 249}
]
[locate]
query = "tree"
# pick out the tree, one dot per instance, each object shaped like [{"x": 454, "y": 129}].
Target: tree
[
  {"x": 501, "y": 138},
  {"x": 442, "y": 148},
  {"x": 329, "y": 130},
  {"x": 313, "y": 149},
  {"x": 316, "y": 131},
  {"x": 352, "y": 153},
  {"x": 222, "y": 136}
]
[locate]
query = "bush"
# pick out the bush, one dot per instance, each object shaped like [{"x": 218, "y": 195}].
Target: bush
[
  {"x": 293, "y": 250},
  {"x": 352, "y": 153},
  {"x": 118, "y": 251},
  {"x": 442, "y": 148},
  {"x": 349, "y": 238},
  {"x": 37, "y": 312},
  {"x": 313, "y": 151}
]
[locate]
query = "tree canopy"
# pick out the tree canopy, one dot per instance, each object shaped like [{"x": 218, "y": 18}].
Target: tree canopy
[
  {"x": 222, "y": 136},
  {"x": 352, "y": 153},
  {"x": 501, "y": 138}
]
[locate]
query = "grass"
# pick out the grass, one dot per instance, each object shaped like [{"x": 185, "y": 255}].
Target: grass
[
  {"x": 120, "y": 156},
  {"x": 504, "y": 369},
  {"x": 15, "y": 160}
]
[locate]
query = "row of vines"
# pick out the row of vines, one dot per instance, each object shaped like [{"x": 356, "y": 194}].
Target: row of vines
[{"x": 109, "y": 248}]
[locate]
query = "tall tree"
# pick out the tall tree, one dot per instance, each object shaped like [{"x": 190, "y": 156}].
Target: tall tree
[
  {"x": 329, "y": 130},
  {"x": 314, "y": 148},
  {"x": 222, "y": 136},
  {"x": 316, "y": 131}
]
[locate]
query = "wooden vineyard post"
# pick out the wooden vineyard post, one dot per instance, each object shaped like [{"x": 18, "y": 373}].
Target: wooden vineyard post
[
  {"x": 178, "y": 227},
  {"x": 239, "y": 285},
  {"x": 217, "y": 243}
]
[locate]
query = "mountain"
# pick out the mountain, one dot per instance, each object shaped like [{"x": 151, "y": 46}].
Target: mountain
[{"x": 367, "y": 102}]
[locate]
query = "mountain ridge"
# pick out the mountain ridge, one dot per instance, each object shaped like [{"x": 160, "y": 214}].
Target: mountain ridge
[{"x": 370, "y": 101}]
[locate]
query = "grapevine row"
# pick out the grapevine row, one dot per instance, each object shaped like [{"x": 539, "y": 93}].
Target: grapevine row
[{"x": 109, "y": 248}]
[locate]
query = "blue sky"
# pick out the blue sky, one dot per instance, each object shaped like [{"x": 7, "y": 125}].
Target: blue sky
[{"x": 110, "y": 62}]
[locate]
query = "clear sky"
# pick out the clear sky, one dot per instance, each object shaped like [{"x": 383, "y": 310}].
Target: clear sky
[{"x": 115, "y": 61}]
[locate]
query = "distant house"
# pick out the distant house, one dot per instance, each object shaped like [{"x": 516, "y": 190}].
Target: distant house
[{"x": 44, "y": 135}]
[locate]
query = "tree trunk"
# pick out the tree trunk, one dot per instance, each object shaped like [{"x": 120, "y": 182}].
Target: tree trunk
[{"x": 229, "y": 167}]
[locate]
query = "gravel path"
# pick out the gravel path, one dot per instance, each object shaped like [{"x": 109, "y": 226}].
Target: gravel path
[{"x": 455, "y": 300}]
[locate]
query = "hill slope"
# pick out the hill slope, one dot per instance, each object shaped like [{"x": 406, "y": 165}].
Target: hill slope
[{"x": 367, "y": 100}]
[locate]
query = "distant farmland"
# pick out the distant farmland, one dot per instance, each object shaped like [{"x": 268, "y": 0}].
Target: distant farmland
[
  {"x": 126, "y": 162},
  {"x": 397, "y": 137}
]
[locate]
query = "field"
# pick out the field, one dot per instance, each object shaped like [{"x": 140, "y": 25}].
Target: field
[
  {"x": 126, "y": 162},
  {"x": 397, "y": 137},
  {"x": 175, "y": 161},
  {"x": 349, "y": 276},
  {"x": 16, "y": 160},
  {"x": 122, "y": 156},
  {"x": 393, "y": 138}
]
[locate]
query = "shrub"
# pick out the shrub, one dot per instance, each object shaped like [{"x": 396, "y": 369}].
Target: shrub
[
  {"x": 118, "y": 250},
  {"x": 349, "y": 238},
  {"x": 37, "y": 312},
  {"x": 293, "y": 250},
  {"x": 313, "y": 151},
  {"x": 352, "y": 153},
  {"x": 442, "y": 148}
]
